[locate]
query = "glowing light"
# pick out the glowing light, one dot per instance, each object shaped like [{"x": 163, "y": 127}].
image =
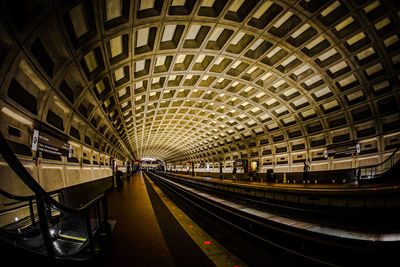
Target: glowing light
[
  {"x": 148, "y": 159},
  {"x": 16, "y": 219},
  {"x": 207, "y": 242},
  {"x": 173, "y": 208},
  {"x": 180, "y": 215},
  {"x": 73, "y": 143},
  {"x": 190, "y": 226},
  {"x": 15, "y": 116}
]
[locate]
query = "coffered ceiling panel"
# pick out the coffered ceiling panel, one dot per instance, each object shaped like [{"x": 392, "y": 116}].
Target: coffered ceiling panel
[{"x": 174, "y": 79}]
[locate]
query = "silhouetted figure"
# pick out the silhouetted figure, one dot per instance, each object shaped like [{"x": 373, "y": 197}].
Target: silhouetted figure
[
  {"x": 252, "y": 175},
  {"x": 119, "y": 178},
  {"x": 269, "y": 175},
  {"x": 306, "y": 168},
  {"x": 234, "y": 173}
]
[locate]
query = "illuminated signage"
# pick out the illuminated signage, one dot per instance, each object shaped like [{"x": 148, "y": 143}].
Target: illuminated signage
[
  {"x": 342, "y": 150},
  {"x": 49, "y": 144},
  {"x": 254, "y": 165},
  {"x": 241, "y": 163}
]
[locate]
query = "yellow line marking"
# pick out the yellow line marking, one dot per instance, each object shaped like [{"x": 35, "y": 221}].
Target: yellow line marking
[
  {"x": 215, "y": 251},
  {"x": 73, "y": 237}
]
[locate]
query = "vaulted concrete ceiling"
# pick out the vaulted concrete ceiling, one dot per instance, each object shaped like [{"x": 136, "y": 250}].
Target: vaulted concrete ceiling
[{"x": 174, "y": 79}]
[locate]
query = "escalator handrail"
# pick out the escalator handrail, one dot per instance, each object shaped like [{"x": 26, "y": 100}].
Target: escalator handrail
[
  {"x": 383, "y": 162},
  {"x": 26, "y": 177},
  {"x": 15, "y": 197}
]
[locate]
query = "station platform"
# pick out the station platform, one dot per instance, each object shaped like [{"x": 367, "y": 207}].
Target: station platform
[
  {"x": 150, "y": 230},
  {"x": 335, "y": 187}
]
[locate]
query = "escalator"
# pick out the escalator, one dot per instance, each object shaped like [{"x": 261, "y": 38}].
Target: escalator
[
  {"x": 38, "y": 223},
  {"x": 386, "y": 171}
]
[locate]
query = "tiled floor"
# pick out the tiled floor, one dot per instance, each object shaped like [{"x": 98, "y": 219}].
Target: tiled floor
[
  {"x": 137, "y": 239},
  {"x": 145, "y": 233}
]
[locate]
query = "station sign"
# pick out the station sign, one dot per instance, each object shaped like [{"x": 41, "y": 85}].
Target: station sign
[
  {"x": 241, "y": 163},
  {"x": 46, "y": 143},
  {"x": 345, "y": 150}
]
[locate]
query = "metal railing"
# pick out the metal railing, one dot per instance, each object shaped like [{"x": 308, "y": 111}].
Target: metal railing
[
  {"x": 375, "y": 171},
  {"x": 42, "y": 216}
]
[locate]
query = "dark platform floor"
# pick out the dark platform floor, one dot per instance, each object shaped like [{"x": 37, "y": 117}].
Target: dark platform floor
[{"x": 145, "y": 233}]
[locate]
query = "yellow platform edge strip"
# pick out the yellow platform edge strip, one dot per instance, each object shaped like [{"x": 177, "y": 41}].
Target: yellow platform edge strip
[
  {"x": 214, "y": 251},
  {"x": 73, "y": 237}
]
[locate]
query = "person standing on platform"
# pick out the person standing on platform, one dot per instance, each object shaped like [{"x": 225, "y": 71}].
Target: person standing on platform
[
  {"x": 234, "y": 173},
  {"x": 252, "y": 176},
  {"x": 306, "y": 168}
]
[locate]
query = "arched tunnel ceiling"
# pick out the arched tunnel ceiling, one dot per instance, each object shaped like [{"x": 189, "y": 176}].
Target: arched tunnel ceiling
[{"x": 174, "y": 78}]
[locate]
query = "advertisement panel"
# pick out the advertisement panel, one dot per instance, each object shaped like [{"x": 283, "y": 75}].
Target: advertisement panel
[
  {"x": 242, "y": 164},
  {"x": 254, "y": 166}
]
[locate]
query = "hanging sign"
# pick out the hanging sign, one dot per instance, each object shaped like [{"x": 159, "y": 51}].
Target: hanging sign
[
  {"x": 49, "y": 144},
  {"x": 343, "y": 150},
  {"x": 241, "y": 163}
]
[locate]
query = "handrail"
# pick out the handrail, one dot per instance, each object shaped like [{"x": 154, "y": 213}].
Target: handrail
[
  {"x": 44, "y": 198},
  {"x": 26, "y": 177},
  {"x": 383, "y": 162},
  {"x": 91, "y": 203},
  {"x": 15, "y": 197},
  {"x": 376, "y": 166}
]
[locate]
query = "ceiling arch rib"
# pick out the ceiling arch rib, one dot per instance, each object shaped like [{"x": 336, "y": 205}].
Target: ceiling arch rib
[{"x": 200, "y": 74}]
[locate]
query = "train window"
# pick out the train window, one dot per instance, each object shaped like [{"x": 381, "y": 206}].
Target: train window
[{"x": 14, "y": 131}]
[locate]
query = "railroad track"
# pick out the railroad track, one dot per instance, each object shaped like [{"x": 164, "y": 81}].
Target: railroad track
[
  {"x": 314, "y": 247},
  {"x": 357, "y": 219}
]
